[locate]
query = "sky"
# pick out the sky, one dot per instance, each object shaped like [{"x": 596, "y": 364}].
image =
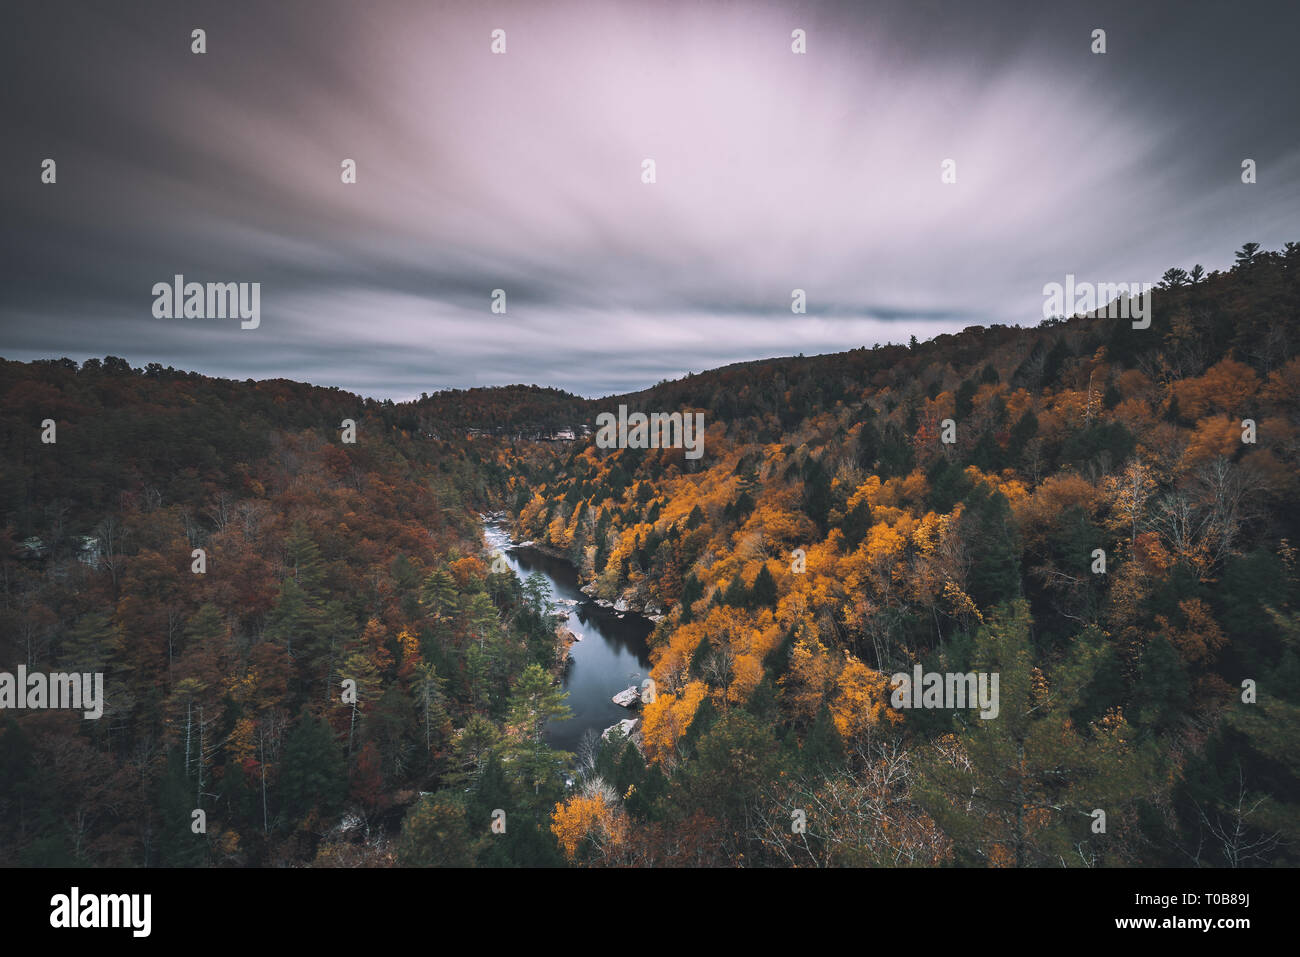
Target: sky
[{"x": 523, "y": 171}]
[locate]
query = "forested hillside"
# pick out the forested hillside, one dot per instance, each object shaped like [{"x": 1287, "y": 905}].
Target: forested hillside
[
  {"x": 1103, "y": 516},
  {"x": 1113, "y": 530},
  {"x": 323, "y": 561},
  {"x": 516, "y": 411}
]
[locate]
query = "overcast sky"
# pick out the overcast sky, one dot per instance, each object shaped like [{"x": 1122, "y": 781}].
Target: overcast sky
[{"x": 523, "y": 172}]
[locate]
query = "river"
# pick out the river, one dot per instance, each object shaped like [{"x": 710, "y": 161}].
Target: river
[{"x": 612, "y": 655}]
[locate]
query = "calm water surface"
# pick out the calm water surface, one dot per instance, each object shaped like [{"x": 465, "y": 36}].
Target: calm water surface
[{"x": 612, "y": 655}]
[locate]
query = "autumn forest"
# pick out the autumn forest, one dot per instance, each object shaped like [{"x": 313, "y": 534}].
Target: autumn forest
[{"x": 1103, "y": 516}]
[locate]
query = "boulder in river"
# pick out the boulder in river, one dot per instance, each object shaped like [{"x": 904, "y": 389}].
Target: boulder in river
[
  {"x": 627, "y": 697},
  {"x": 628, "y": 725}
]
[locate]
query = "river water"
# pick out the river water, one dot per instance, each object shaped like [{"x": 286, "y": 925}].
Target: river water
[{"x": 612, "y": 655}]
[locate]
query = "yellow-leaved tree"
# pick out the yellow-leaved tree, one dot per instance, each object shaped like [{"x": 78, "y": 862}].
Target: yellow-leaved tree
[
  {"x": 593, "y": 820},
  {"x": 861, "y": 700},
  {"x": 668, "y": 717}
]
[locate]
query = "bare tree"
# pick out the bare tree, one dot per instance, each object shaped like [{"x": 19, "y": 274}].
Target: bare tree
[
  {"x": 861, "y": 814},
  {"x": 221, "y": 510},
  {"x": 1230, "y": 826},
  {"x": 719, "y": 665},
  {"x": 588, "y": 750},
  {"x": 111, "y": 535}
]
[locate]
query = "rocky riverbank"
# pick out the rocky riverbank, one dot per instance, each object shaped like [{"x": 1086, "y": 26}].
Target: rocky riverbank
[
  {"x": 575, "y": 630},
  {"x": 631, "y": 600}
]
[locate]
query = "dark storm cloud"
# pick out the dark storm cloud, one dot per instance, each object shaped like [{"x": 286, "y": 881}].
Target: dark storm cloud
[{"x": 522, "y": 172}]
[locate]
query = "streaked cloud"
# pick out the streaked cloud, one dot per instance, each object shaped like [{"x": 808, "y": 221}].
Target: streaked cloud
[{"x": 522, "y": 172}]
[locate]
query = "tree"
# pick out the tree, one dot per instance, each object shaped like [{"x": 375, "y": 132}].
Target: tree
[
  {"x": 534, "y": 702},
  {"x": 429, "y": 696},
  {"x": 733, "y": 762},
  {"x": 358, "y": 668},
  {"x": 861, "y": 701},
  {"x": 763, "y": 593},
  {"x": 1019, "y": 789},
  {"x": 537, "y": 593},
  {"x": 313, "y": 775},
  {"x": 817, "y": 498},
  {"x": 823, "y": 749},
  {"x": 668, "y": 717},
  {"x": 591, "y": 825},
  {"x": 436, "y": 833},
  {"x": 1247, "y": 255},
  {"x": 178, "y": 846},
  {"x": 482, "y": 617},
  {"x": 736, "y": 594},
  {"x": 438, "y": 595}
]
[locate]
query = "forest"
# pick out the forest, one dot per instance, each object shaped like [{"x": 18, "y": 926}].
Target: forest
[{"x": 1112, "y": 530}]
